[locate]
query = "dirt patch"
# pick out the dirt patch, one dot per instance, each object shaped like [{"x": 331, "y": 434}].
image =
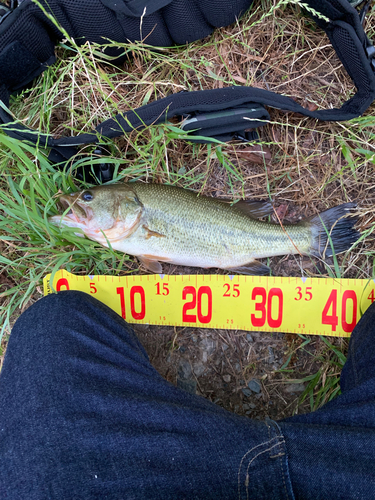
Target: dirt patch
[{"x": 240, "y": 371}]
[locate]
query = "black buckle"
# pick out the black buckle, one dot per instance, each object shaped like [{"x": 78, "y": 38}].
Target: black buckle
[
  {"x": 97, "y": 173},
  {"x": 247, "y": 136},
  {"x": 94, "y": 174},
  {"x": 356, "y": 3},
  {"x": 225, "y": 125}
]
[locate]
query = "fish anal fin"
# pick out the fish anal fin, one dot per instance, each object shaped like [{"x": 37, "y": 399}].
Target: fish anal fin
[
  {"x": 150, "y": 233},
  {"x": 251, "y": 268},
  {"x": 151, "y": 264}
]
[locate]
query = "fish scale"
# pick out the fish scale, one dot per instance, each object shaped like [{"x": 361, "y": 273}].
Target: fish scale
[{"x": 204, "y": 232}]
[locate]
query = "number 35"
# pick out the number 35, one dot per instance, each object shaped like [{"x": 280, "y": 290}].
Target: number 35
[{"x": 300, "y": 294}]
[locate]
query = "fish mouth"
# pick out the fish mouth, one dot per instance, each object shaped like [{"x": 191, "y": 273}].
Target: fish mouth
[
  {"x": 64, "y": 206},
  {"x": 76, "y": 211}
]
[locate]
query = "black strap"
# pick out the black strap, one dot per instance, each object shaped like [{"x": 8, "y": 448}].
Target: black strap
[
  {"x": 245, "y": 104},
  {"x": 136, "y": 8}
]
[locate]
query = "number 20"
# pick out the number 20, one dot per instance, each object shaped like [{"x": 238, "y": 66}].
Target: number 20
[{"x": 192, "y": 318}]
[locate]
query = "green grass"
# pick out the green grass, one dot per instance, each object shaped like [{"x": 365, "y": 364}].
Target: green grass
[{"x": 323, "y": 385}]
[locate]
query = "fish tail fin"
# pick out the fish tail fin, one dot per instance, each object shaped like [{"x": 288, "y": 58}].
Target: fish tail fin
[{"x": 333, "y": 230}]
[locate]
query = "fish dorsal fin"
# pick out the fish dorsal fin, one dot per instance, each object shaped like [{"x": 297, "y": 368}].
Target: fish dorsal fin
[
  {"x": 255, "y": 208},
  {"x": 251, "y": 268}
]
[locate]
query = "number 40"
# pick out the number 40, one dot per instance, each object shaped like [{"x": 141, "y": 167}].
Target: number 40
[{"x": 332, "y": 319}]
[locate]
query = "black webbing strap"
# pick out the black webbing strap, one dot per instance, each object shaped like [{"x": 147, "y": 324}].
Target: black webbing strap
[{"x": 345, "y": 31}]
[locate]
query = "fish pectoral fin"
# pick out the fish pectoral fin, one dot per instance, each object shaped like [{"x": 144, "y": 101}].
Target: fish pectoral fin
[
  {"x": 252, "y": 268},
  {"x": 150, "y": 232},
  {"x": 150, "y": 264}
]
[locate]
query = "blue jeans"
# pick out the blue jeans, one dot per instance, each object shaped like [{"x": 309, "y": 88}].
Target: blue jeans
[{"x": 84, "y": 415}]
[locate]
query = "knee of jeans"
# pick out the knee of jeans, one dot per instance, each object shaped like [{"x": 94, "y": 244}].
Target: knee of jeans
[
  {"x": 40, "y": 318},
  {"x": 363, "y": 333},
  {"x": 57, "y": 303},
  {"x": 367, "y": 322}
]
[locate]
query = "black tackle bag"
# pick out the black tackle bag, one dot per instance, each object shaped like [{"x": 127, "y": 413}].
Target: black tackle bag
[{"x": 30, "y": 29}]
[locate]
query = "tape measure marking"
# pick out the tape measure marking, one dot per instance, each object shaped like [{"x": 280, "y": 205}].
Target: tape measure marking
[{"x": 316, "y": 306}]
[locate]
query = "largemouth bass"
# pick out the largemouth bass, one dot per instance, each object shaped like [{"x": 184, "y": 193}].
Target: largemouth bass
[{"x": 159, "y": 223}]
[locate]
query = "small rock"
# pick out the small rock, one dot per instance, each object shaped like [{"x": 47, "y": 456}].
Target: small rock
[
  {"x": 295, "y": 388},
  {"x": 142, "y": 328},
  {"x": 194, "y": 338},
  {"x": 246, "y": 392},
  {"x": 198, "y": 369},
  {"x": 271, "y": 356},
  {"x": 184, "y": 369},
  {"x": 225, "y": 347},
  {"x": 187, "y": 385},
  {"x": 182, "y": 348},
  {"x": 254, "y": 385},
  {"x": 236, "y": 408},
  {"x": 249, "y": 338},
  {"x": 252, "y": 405},
  {"x": 237, "y": 367},
  {"x": 242, "y": 382},
  {"x": 226, "y": 378},
  {"x": 246, "y": 406},
  {"x": 208, "y": 345}
]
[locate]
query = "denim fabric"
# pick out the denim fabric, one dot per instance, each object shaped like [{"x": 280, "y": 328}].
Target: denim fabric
[
  {"x": 83, "y": 415},
  {"x": 332, "y": 451}
]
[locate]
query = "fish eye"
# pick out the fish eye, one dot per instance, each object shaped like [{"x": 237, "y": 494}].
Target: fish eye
[{"x": 87, "y": 196}]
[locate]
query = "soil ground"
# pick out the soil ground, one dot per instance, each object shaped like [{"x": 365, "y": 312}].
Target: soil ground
[{"x": 237, "y": 370}]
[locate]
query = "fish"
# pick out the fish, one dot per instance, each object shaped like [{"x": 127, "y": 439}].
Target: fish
[{"x": 159, "y": 223}]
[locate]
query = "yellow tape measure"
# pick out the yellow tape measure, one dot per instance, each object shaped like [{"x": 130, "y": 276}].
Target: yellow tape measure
[{"x": 321, "y": 306}]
